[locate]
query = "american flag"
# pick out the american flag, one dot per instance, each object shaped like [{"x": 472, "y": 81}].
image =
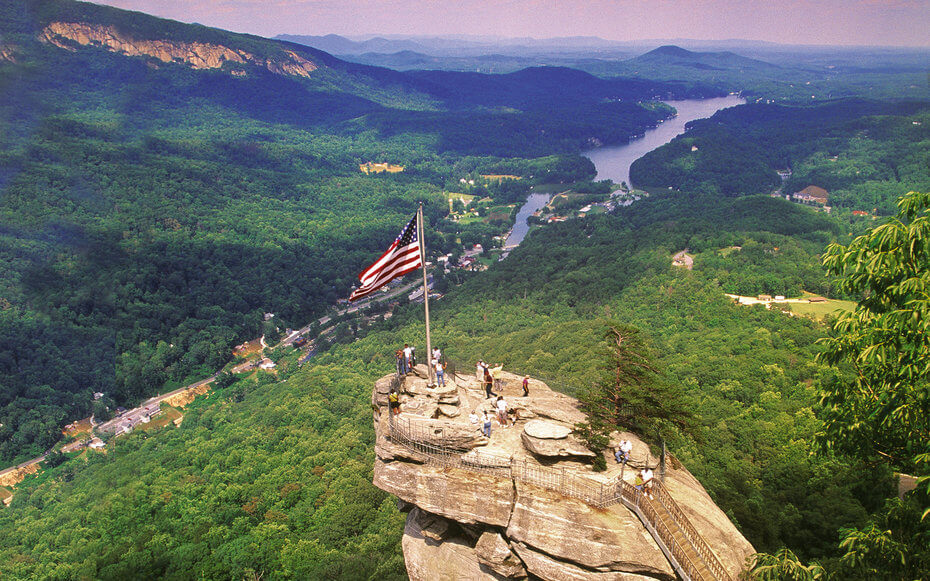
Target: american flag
[{"x": 402, "y": 257}]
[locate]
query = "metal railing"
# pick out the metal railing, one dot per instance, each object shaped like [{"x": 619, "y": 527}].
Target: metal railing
[{"x": 684, "y": 547}]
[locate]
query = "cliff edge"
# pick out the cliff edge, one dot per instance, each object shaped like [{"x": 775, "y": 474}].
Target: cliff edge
[{"x": 524, "y": 503}]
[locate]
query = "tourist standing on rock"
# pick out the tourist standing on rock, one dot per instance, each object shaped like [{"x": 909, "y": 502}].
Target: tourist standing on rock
[
  {"x": 479, "y": 371},
  {"x": 401, "y": 362},
  {"x": 501, "y": 411},
  {"x": 408, "y": 357},
  {"x": 437, "y": 354},
  {"x": 440, "y": 373},
  {"x": 497, "y": 373},
  {"x": 647, "y": 481},
  {"x": 486, "y": 425},
  {"x": 394, "y": 401},
  {"x": 487, "y": 384},
  {"x": 526, "y": 386}
]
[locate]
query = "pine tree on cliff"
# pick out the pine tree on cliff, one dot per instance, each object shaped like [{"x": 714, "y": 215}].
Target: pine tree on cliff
[{"x": 632, "y": 394}]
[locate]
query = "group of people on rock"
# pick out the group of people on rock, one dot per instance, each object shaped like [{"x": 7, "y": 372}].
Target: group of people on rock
[
  {"x": 491, "y": 378},
  {"x": 506, "y": 416},
  {"x": 406, "y": 360}
]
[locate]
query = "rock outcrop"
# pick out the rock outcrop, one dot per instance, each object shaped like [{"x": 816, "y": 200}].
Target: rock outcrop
[
  {"x": 503, "y": 507},
  {"x": 197, "y": 55}
]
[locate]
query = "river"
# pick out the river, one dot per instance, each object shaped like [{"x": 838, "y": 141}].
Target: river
[{"x": 614, "y": 162}]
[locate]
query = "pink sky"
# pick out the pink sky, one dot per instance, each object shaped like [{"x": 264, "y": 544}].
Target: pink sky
[{"x": 862, "y": 22}]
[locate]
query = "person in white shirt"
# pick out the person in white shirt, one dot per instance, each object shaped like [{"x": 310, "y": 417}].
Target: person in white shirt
[{"x": 501, "y": 411}]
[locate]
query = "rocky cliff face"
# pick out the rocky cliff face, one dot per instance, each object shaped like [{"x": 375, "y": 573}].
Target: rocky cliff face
[
  {"x": 197, "y": 55},
  {"x": 484, "y": 524}
]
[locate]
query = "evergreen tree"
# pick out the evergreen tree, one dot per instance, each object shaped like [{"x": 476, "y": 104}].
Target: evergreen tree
[{"x": 632, "y": 395}]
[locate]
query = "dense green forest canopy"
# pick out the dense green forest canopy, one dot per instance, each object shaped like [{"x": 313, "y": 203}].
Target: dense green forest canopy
[{"x": 866, "y": 154}]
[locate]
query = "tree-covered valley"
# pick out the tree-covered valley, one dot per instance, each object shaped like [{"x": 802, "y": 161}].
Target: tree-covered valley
[{"x": 152, "y": 211}]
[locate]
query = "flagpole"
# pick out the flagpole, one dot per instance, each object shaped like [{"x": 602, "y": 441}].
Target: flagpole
[{"x": 429, "y": 346}]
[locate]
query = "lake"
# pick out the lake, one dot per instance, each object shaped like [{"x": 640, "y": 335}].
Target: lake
[{"x": 614, "y": 162}]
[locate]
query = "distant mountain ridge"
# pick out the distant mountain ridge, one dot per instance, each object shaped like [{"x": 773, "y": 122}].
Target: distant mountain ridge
[{"x": 671, "y": 55}]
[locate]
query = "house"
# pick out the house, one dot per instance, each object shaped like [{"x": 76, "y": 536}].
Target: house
[
  {"x": 96, "y": 444},
  {"x": 859, "y": 213},
  {"x": 812, "y": 195},
  {"x": 764, "y": 297},
  {"x": 266, "y": 364}
]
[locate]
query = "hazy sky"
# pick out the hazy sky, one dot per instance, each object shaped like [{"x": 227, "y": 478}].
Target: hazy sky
[{"x": 859, "y": 22}]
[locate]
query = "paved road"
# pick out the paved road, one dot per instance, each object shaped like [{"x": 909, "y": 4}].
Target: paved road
[
  {"x": 287, "y": 341},
  {"x": 351, "y": 309},
  {"x": 157, "y": 399},
  {"x": 23, "y": 465}
]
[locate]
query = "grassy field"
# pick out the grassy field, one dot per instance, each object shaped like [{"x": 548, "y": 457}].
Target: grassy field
[
  {"x": 370, "y": 168},
  {"x": 500, "y": 177},
  {"x": 168, "y": 415},
  {"x": 820, "y": 310}
]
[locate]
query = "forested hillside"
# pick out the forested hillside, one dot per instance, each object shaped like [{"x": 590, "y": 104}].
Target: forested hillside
[
  {"x": 274, "y": 477},
  {"x": 866, "y": 154},
  {"x": 163, "y": 185}
]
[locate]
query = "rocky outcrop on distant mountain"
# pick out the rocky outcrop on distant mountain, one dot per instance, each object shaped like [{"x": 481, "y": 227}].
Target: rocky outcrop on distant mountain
[
  {"x": 7, "y": 53},
  {"x": 474, "y": 519},
  {"x": 197, "y": 55}
]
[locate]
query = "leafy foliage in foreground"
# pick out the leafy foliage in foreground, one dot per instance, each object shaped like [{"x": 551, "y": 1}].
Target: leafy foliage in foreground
[{"x": 879, "y": 411}]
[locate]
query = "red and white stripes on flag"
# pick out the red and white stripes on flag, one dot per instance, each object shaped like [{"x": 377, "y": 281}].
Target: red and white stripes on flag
[{"x": 402, "y": 257}]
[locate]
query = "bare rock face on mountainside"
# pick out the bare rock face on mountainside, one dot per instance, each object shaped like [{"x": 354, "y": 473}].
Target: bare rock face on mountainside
[
  {"x": 524, "y": 502},
  {"x": 197, "y": 55}
]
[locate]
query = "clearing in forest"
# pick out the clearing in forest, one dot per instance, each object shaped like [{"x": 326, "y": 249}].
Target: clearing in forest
[{"x": 370, "y": 168}]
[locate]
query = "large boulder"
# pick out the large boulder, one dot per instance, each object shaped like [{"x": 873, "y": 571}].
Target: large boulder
[
  {"x": 429, "y": 560},
  {"x": 506, "y": 528},
  {"x": 549, "y": 569},
  {"x": 554, "y": 448},
  {"x": 446, "y": 433},
  {"x": 546, "y": 430},
  {"x": 494, "y": 553},
  {"x": 611, "y": 539}
]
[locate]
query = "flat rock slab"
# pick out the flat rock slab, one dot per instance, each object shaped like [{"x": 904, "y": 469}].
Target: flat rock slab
[
  {"x": 550, "y": 448},
  {"x": 546, "y": 430}
]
